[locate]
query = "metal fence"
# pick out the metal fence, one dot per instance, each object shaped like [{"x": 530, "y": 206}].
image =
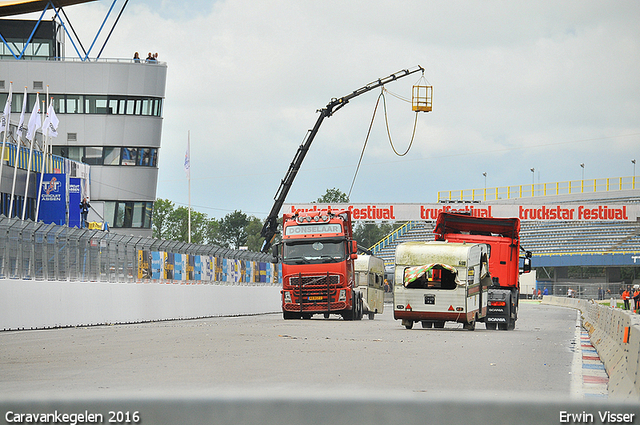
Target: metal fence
[{"x": 39, "y": 251}]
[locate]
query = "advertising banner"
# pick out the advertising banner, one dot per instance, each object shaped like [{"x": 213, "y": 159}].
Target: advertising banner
[
  {"x": 157, "y": 265},
  {"x": 534, "y": 212},
  {"x": 75, "y": 198},
  {"x": 53, "y": 198}
]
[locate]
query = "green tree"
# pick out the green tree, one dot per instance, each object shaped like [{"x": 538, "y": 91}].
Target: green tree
[
  {"x": 179, "y": 219},
  {"x": 368, "y": 233},
  {"x": 162, "y": 209},
  {"x": 254, "y": 239},
  {"x": 333, "y": 195},
  {"x": 233, "y": 229}
]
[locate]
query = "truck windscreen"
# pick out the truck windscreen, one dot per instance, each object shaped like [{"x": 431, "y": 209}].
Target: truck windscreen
[{"x": 314, "y": 252}]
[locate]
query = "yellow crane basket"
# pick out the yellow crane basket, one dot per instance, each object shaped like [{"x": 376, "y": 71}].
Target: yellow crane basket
[{"x": 421, "y": 98}]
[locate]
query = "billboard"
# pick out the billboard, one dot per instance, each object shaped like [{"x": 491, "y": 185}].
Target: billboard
[{"x": 53, "y": 198}]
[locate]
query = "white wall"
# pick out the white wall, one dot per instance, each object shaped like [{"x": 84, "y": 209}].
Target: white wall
[{"x": 26, "y": 304}]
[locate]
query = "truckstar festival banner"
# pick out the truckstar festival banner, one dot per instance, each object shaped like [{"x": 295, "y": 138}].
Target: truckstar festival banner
[{"x": 429, "y": 212}]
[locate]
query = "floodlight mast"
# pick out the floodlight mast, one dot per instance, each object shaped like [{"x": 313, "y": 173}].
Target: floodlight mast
[{"x": 270, "y": 227}]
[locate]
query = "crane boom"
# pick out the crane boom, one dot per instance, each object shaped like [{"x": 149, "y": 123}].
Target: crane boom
[{"x": 270, "y": 227}]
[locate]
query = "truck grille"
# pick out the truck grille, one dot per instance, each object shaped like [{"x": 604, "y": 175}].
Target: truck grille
[{"x": 312, "y": 282}]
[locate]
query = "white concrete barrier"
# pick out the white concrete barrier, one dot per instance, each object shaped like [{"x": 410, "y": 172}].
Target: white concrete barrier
[
  {"x": 615, "y": 334},
  {"x": 28, "y": 304}
]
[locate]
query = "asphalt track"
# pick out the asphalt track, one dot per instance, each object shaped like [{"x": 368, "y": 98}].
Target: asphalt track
[{"x": 267, "y": 354}]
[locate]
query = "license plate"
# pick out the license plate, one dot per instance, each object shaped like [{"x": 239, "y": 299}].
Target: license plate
[
  {"x": 429, "y": 299},
  {"x": 315, "y": 298}
]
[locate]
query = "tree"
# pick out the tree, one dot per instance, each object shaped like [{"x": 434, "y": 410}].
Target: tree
[
  {"x": 179, "y": 219},
  {"x": 162, "y": 209},
  {"x": 254, "y": 239},
  {"x": 368, "y": 233},
  {"x": 233, "y": 229},
  {"x": 333, "y": 195}
]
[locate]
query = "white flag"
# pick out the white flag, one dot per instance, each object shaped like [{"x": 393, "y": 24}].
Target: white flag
[
  {"x": 34, "y": 119},
  {"x": 50, "y": 125},
  {"x": 187, "y": 161},
  {"x": 21, "y": 126},
  {"x": 6, "y": 115}
]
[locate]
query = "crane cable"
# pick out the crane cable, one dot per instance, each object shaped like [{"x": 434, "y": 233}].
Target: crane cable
[
  {"x": 386, "y": 120},
  {"x": 366, "y": 140}
]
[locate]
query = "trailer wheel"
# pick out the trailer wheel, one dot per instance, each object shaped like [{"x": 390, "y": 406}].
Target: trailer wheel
[
  {"x": 427, "y": 325},
  {"x": 490, "y": 326},
  {"x": 372, "y": 316},
  {"x": 438, "y": 325},
  {"x": 407, "y": 323},
  {"x": 471, "y": 326}
]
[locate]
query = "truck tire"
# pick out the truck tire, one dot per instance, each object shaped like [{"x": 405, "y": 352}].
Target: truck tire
[{"x": 287, "y": 315}]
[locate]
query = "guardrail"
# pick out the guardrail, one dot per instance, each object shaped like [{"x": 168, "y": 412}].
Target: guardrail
[
  {"x": 540, "y": 189},
  {"x": 39, "y": 251},
  {"x": 616, "y": 335}
]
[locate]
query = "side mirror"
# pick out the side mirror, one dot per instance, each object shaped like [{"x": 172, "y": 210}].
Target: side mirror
[
  {"x": 354, "y": 248},
  {"x": 276, "y": 253}
]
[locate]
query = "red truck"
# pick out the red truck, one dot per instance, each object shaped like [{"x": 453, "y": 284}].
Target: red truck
[
  {"x": 317, "y": 254},
  {"x": 502, "y": 235}
]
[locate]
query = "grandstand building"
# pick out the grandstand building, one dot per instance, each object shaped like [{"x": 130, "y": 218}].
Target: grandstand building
[
  {"x": 600, "y": 227},
  {"x": 110, "y": 113}
]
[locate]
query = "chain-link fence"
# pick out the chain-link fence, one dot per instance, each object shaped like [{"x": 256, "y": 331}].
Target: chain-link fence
[
  {"x": 584, "y": 290},
  {"x": 39, "y": 251}
]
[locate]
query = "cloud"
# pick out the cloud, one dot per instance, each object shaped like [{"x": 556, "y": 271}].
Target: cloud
[{"x": 516, "y": 85}]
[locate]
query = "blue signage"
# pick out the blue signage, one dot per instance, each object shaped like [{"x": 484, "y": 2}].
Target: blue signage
[
  {"x": 53, "y": 199},
  {"x": 75, "y": 198}
]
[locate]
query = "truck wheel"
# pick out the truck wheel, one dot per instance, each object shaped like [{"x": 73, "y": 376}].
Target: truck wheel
[
  {"x": 511, "y": 325},
  {"x": 326, "y": 315},
  {"x": 286, "y": 315},
  {"x": 490, "y": 326},
  {"x": 427, "y": 325},
  {"x": 407, "y": 323}
]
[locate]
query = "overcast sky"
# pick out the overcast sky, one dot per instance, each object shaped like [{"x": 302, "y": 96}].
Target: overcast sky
[{"x": 516, "y": 85}]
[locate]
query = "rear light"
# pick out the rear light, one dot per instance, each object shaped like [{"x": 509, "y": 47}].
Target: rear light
[{"x": 497, "y": 303}]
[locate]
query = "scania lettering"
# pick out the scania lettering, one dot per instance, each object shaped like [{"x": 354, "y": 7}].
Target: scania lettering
[
  {"x": 438, "y": 282},
  {"x": 502, "y": 236}
]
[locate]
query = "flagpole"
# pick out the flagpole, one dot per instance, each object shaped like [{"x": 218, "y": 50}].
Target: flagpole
[
  {"x": 31, "y": 130},
  {"x": 6, "y": 115},
  {"x": 18, "y": 150},
  {"x": 189, "y": 179},
  {"x": 44, "y": 160}
]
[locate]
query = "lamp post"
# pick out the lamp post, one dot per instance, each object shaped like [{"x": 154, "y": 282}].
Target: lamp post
[
  {"x": 533, "y": 176},
  {"x": 582, "y": 166},
  {"x": 485, "y": 180},
  {"x": 633, "y": 181}
]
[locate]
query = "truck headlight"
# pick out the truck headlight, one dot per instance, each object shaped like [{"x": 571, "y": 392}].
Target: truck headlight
[
  {"x": 287, "y": 297},
  {"x": 343, "y": 295}
]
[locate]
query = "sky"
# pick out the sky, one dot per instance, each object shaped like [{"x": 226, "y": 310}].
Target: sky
[{"x": 517, "y": 85}]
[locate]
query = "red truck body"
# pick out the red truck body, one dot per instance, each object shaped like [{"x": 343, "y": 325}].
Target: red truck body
[
  {"x": 503, "y": 237},
  {"x": 318, "y": 253}
]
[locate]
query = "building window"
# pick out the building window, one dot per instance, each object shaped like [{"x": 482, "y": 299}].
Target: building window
[
  {"x": 98, "y": 155},
  {"x": 128, "y": 214}
]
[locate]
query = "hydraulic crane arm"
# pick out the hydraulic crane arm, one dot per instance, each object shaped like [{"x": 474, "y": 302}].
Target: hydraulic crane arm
[{"x": 270, "y": 228}]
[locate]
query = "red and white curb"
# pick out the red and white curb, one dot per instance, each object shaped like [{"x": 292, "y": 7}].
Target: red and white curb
[{"x": 589, "y": 378}]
